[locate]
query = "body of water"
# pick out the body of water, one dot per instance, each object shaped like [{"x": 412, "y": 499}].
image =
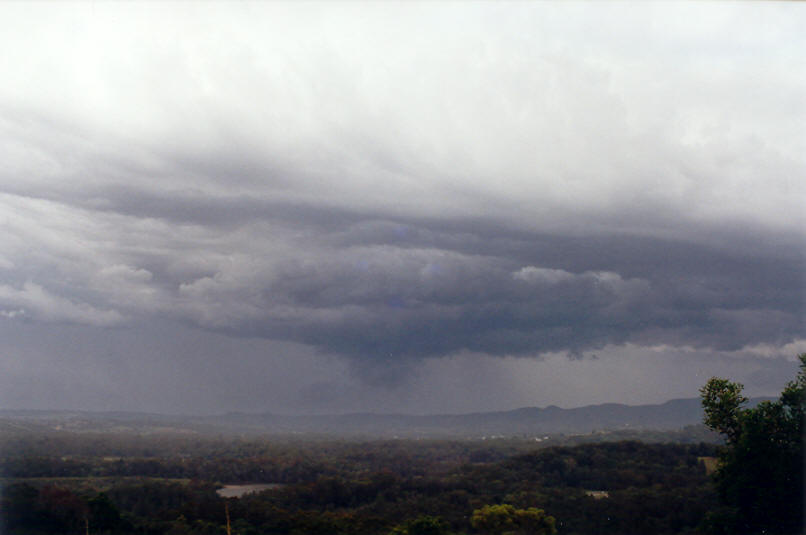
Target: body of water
[{"x": 236, "y": 491}]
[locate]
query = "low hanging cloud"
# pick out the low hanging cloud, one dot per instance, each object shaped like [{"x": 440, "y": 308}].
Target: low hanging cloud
[
  {"x": 394, "y": 186},
  {"x": 34, "y": 302},
  {"x": 383, "y": 291}
]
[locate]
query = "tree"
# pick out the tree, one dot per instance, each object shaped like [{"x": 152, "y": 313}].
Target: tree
[
  {"x": 722, "y": 401},
  {"x": 422, "y": 525},
  {"x": 505, "y": 519},
  {"x": 103, "y": 515},
  {"x": 760, "y": 477}
]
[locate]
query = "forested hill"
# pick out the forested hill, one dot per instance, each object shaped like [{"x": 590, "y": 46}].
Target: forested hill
[{"x": 534, "y": 421}]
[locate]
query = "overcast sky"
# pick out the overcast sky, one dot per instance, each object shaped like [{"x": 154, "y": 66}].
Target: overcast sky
[{"x": 421, "y": 207}]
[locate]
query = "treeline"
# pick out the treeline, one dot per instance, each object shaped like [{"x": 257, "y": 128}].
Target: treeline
[
  {"x": 232, "y": 470},
  {"x": 366, "y": 489},
  {"x": 244, "y": 461}
]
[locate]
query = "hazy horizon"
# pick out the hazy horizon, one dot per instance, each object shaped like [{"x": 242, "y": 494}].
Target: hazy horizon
[
  {"x": 416, "y": 208},
  {"x": 342, "y": 413}
]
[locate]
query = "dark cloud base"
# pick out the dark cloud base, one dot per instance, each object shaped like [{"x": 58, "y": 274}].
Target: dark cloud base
[{"x": 406, "y": 289}]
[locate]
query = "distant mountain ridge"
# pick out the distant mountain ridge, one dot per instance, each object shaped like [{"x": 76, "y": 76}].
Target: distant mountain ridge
[
  {"x": 671, "y": 415},
  {"x": 527, "y": 421}
]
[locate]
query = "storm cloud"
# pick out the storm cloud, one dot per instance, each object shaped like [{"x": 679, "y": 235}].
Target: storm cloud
[{"x": 396, "y": 184}]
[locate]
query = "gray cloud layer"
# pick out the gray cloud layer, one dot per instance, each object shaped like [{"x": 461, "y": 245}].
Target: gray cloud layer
[
  {"x": 385, "y": 184},
  {"x": 349, "y": 283}
]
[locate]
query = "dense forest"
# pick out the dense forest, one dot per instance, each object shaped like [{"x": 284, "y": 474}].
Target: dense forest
[{"x": 167, "y": 484}]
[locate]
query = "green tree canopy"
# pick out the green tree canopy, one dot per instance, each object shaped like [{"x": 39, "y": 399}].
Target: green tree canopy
[
  {"x": 506, "y": 519},
  {"x": 422, "y": 525},
  {"x": 760, "y": 477}
]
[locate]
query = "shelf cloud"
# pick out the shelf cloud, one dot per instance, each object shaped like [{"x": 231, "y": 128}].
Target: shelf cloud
[{"x": 394, "y": 184}]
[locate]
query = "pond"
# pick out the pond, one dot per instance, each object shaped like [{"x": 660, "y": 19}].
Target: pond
[{"x": 236, "y": 491}]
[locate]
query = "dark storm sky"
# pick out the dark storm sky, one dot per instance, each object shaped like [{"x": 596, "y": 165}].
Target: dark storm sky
[{"x": 424, "y": 208}]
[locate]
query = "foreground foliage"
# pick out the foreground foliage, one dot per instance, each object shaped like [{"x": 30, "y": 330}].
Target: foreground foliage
[
  {"x": 760, "y": 476},
  {"x": 504, "y": 518}
]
